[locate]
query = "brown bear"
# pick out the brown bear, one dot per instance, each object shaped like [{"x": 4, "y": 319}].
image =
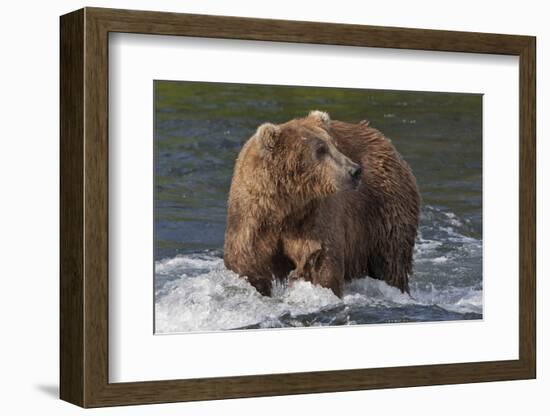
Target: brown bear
[{"x": 324, "y": 201}]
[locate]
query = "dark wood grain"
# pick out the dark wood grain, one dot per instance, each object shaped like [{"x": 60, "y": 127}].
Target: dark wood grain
[
  {"x": 84, "y": 207},
  {"x": 71, "y": 100},
  {"x": 96, "y": 218},
  {"x": 226, "y": 27},
  {"x": 527, "y": 208}
]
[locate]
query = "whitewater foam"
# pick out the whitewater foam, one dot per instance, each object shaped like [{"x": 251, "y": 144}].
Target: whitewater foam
[{"x": 219, "y": 299}]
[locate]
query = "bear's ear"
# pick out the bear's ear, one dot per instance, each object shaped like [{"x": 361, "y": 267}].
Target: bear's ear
[
  {"x": 320, "y": 117},
  {"x": 268, "y": 135}
]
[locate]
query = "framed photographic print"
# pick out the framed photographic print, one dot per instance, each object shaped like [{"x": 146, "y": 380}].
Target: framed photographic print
[{"x": 255, "y": 207}]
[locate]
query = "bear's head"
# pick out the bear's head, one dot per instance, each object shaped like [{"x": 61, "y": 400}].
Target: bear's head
[{"x": 303, "y": 159}]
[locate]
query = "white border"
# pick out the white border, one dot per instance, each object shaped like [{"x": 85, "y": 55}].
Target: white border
[{"x": 135, "y": 354}]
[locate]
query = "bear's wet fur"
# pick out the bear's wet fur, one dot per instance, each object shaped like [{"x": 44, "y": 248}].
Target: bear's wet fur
[{"x": 323, "y": 201}]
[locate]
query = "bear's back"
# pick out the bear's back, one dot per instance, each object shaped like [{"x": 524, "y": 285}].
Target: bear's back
[{"x": 387, "y": 205}]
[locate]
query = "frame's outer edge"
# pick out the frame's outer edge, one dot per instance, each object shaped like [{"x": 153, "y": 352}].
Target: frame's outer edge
[
  {"x": 247, "y": 28},
  {"x": 84, "y": 208},
  {"x": 528, "y": 208},
  {"x": 96, "y": 209},
  {"x": 72, "y": 367}
]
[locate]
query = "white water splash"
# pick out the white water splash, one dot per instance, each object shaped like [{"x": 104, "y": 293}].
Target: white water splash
[{"x": 218, "y": 299}]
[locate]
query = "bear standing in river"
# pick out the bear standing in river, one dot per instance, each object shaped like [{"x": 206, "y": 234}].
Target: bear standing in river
[{"x": 323, "y": 201}]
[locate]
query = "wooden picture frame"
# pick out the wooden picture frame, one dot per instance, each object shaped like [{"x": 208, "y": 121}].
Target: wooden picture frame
[{"x": 84, "y": 207}]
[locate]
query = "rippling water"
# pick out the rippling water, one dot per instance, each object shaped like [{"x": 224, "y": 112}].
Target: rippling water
[{"x": 199, "y": 130}]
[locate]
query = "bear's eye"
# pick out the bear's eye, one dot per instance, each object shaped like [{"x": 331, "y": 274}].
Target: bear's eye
[{"x": 321, "y": 151}]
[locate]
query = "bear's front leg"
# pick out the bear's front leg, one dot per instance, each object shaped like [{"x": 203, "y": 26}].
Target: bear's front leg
[
  {"x": 330, "y": 274},
  {"x": 320, "y": 269},
  {"x": 262, "y": 284},
  {"x": 299, "y": 273},
  {"x": 305, "y": 268},
  {"x": 304, "y": 254}
]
